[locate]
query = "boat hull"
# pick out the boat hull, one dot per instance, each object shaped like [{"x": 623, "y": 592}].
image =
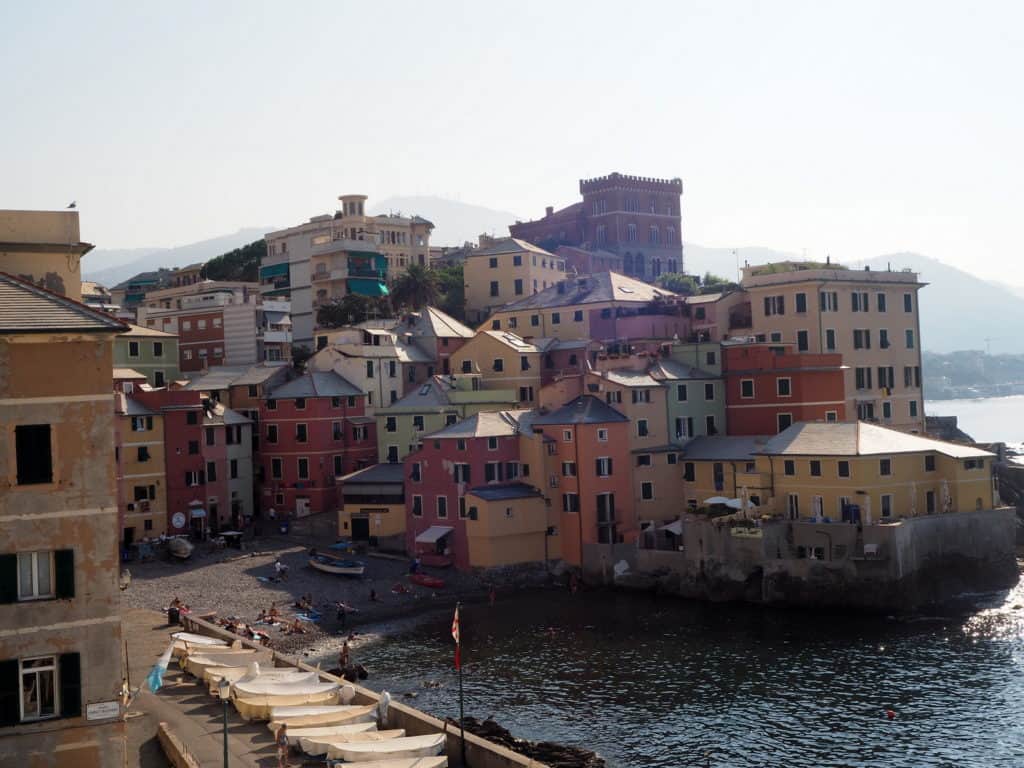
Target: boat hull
[
  {"x": 337, "y": 568},
  {"x": 319, "y": 745},
  {"x": 258, "y": 707},
  {"x": 408, "y": 747}
]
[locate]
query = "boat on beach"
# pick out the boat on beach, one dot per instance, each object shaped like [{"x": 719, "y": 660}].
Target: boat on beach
[
  {"x": 184, "y": 642},
  {"x": 327, "y": 731},
  {"x": 407, "y": 747},
  {"x": 337, "y": 566},
  {"x": 258, "y": 706},
  {"x": 196, "y": 664},
  {"x": 343, "y": 715},
  {"x": 213, "y": 675},
  {"x": 441, "y": 761},
  {"x": 425, "y": 580},
  {"x": 296, "y": 683},
  {"x": 180, "y": 548},
  {"x": 319, "y": 745}
]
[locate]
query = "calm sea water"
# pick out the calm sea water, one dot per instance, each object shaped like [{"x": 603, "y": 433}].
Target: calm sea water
[
  {"x": 659, "y": 682},
  {"x": 989, "y": 419}
]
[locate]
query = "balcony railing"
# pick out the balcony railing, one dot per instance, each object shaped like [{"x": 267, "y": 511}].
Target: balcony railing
[{"x": 376, "y": 274}]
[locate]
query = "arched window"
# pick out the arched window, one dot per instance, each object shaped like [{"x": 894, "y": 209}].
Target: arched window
[
  {"x": 638, "y": 265},
  {"x": 670, "y": 235},
  {"x": 600, "y": 234}
]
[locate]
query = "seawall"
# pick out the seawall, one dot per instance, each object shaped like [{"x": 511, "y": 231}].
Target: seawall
[{"x": 903, "y": 566}]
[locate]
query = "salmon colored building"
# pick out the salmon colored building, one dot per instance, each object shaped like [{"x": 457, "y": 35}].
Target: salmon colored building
[
  {"x": 314, "y": 430},
  {"x": 589, "y": 453},
  {"x": 770, "y": 387}
]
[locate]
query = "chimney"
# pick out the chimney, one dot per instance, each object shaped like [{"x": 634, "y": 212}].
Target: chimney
[{"x": 549, "y": 211}]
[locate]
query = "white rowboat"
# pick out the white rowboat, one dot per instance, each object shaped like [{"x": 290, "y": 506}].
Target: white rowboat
[
  {"x": 441, "y": 761},
  {"x": 410, "y": 746},
  {"x": 337, "y": 567},
  {"x": 326, "y": 731},
  {"x": 319, "y": 745},
  {"x": 352, "y": 714},
  {"x": 257, "y": 707}
]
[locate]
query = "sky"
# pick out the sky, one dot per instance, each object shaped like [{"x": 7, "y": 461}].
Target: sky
[{"x": 849, "y": 129}]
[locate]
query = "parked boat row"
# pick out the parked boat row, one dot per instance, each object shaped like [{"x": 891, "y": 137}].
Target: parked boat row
[{"x": 319, "y": 718}]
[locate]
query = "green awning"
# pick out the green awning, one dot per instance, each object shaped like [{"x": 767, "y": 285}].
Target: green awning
[
  {"x": 274, "y": 270},
  {"x": 367, "y": 287}
]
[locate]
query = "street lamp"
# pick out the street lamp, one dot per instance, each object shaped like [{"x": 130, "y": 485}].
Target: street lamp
[{"x": 224, "y": 691}]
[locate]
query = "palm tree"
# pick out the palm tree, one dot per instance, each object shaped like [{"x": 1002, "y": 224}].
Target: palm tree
[{"x": 416, "y": 288}]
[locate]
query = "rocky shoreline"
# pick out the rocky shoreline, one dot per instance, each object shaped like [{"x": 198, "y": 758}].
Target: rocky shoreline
[{"x": 547, "y": 752}]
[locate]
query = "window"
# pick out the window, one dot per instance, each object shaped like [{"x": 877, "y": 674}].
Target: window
[
  {"x": 143, "y": 453},
  {"x": 880, "y": 302},
  {"x": 217, "y": 322},
  {"x": 908, "y": 302},
  {"x": 746, "y": 388},
  {"x": 303, "y": 467},
  {"x": 602, "y": 435},
  {"x": 369, "y": 369},
  {"x": 524, "y": 363},
  {"x": 776, "y": 336},
  {"x": 829, "y": 301},
  {"x": 192, "y": 479},
  {"x": 886, "y": 409},
  {"x": 793, "y": 506},
  {"x": 133, "y": 349},
  {"x": 218, "y": 351},
  {"x": 774, "y": 305},
  {"x": 211, "y": 472},
  {"x": 606, "y": 532},
  {"x": 417, "y": 505},
  {"x": 709, "y": 391},
  {"x": 643, "y": 460},
  {"x": 568, "y": 469},
  {"x": 974, "y": 463},
  {"x": 450, "y": 418},
  {"x": 233, "y": 469},
  {"x": 211, "y": 436},
  {"x": 913, "y": 408},
  {"x": 461, "y": 473},
  {"x": 783, "y": 386},
  {"x": 498, "y": 365},
  {"x": 789, "y": 468},
  {"x": 337, "y": 431},
  {"x": 492, "y": 443},
  {"x": 566, "y": 435},
  {"x": 517, "y": 260},
  {"x": 862, "y": 338},
  {"x": 34, "y": 454},
  {"x": 492, "y": 263},
  {"x": 641, "y": 396},
  {"x": 442, "y": 506},
  {"x": 929, "y": 502},
  {"x": 186, "y": 325},
  {"x": 201, "y": 325},
  {"x": 492, "y": 472},
  {"x": 801, "y": 302},
  {"x": 158, "y": 379},
  {"x": 885, "y": 467},
  {"x": 646, "y": 491},
  {"x": 886, "y": 505},
  {"x": 39, "y": 686},
  {"x": 709, "y": 426},
  {"x": 815, "y": 468},
  {"x": 271, "y": 405},
  {"x": 192, "y": 417},
  {"x": 577, "y": 316},
  {"x": 301, "y": 433},
  {"x": 271, "y": 433},
  {"x": 417, "y": 423},
  {"x": 831, "y": 416},
  {"x": 35, "y": 577},
  {"x": 534, "y": 320},
  {"x": 513, "y": 322},
  {"x": 603, "y": 466},
  {"x": 613, "y": 396},
  {"x": 556, "y": 318},
  {"x": 830, "y": 339},
  {"x": 783, "y": 421},
  {"x": 392, "y": 454},
  {"x": 689, "y": 471},
  {"x": 862, "y": 378},
  {"x": 494, "y": 288},
  {"x": 859, "y": 302},
  {"x": 193, "y": 447},
  {"x": 843, "y": 469},
  {"x": 681, "y": 393},
  {"x": 518, "y": 287},
  {"x": 910, "y": 338},
  {"x": 641, "y": 428},
  {"x": 883, "y": 338},
  {"x": 802, "y": 343}
]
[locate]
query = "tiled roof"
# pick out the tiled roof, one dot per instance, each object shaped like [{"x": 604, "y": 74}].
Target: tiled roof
[
  {"x": 670, "y": 370},
  {"x": 260, "y": 373},
  {"x": 704, "y": 298},
  {"x": 858, "y": 439},
  {"x": 585, "y": 409},
  {"x": 315, "y": 384},
  {"x": 431, "y": 321},
  {"x": 504, "y": 492},
  {"x": 723, "y": 448},
  {"x": 433, "y": 393},
  {"x": 405, "y": 353},
  {"x": 141, "y": 330},
  {"x": 218, "y": 377},
  {"x": 483, "y": 424},
  {"x": 628, "y": 378},
  {"x": 26, "y": 308},
  {"x": 509, "y": 245},
  {"x": 378, "y": 473},
  {"x": 596, "y": 288},
  {"x": 509, "y": 339},
  {"x": 127, "y": 373}
]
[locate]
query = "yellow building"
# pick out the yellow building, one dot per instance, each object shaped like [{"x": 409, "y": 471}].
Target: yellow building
[
  {"x": 504, "y": 361},
  {"x": 506, "y": 270},
  {"x": 839, "y": 470},
  {"x": 141, "y": 473},
  {"x": 870, "y": 317},
  {"x": 373, "y": 507},
  {"x": 508, "y": 524},
  {"x": 44, "y": 248},
  {"x": 724, "y": 467}
]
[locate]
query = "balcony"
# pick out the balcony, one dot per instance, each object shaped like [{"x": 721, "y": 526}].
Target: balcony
[
  {"x": 326, "y": 276},
  {"x": 375, "y": 274},
  {"x": 277, "y": 337}
]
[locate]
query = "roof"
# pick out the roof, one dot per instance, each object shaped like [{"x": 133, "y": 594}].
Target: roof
[
  {"x": 504, "y": 492},
  {"x": 672, "y": 370},
  {"x": 724, "y": 448},
  {"x": 378, "y": 473},
  {"x": 509, "y": 339},
  {"x": 509, "y": 245},
  {"x": 260, "y": 373},
  {"x": 596, "y": 288},
  {"x": 91, "y": 288},
  {"x": 129, "y": 407},
  {"x": 433, "y": 393},
  {"x": 704, "y": 298},
  {"x": 431, "y": 321},
  {"x": 315, "y": 384},
  {"x": 628, "y": 378},
  {"x": 483, "y": 424},
  {"x": 221, "y": 414},
  {"x": 585, "y": 409},
  {"x": 405, "y": 353},
  {"x": 218, "y": 377},
  {"x": 27, "y": 308},
  {"x": 141, "y": 330},
  {"x": 127, "y": 373},
  {"x": 859, "y": 438}
]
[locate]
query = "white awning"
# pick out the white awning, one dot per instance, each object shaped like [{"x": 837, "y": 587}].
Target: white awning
[
  {"x": 433, "y": 534},
  {"x": 197, "y": 513},
  {"x": 676, "y": 528},
  {"x": 716, "y": 500}
]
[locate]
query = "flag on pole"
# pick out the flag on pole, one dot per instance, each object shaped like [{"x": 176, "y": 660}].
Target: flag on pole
[
  {"x": 155, "y": 678},
  {"x": 458, "y": 642}
]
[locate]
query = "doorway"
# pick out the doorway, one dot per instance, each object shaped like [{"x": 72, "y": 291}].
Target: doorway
[{"x": 360, "y": 528}]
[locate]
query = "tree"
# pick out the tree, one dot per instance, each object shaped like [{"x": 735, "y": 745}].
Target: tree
[
  {"x": 451, "y": 283},
  {"x": 711, "y": 281},
  {"x": 415, "y": 289},
  {"x": 678, "y": 283},
  {"x": 351, "y": 309},
  {"x": 300, "y": 354},
  {"x": 241, "y": 264}
]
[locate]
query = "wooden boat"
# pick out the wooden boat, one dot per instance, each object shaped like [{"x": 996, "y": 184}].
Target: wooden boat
[
  {"x": 296, "y": 684},
  {"x": 336, "y": 566},
  {"x": 213, "y": 675},
  {"x": 280, "y": 713},
  {"x": 184, "y": 641},
  {"x": 426, "y": 581},
  {"x": 441, "y": 761},
  {"x": 318, "y": 745},
  {"x": 410, "y": 746},
  {"x": 351, "y": 714},
  {"x": 196, "y": 664},
  {"x": 327, "y": 731},
  {"x": 258, "y": 706},
  {"x": 180, "y": 548}
]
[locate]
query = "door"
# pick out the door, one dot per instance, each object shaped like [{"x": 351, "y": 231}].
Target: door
[
  {"x": 129, "y": 537},
  {"x": 301, "y": 506},
  {"x": 360, "y": 528}
]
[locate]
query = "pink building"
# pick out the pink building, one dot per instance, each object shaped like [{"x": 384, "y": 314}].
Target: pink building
[
  {"x": 480, "y": 451},
  {"x": 314, "y": 430}
]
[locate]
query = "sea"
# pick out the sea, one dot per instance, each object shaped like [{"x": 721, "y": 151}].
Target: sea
[{"x": 986, "y": 419}]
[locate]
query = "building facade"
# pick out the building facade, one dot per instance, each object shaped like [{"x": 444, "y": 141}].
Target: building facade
[
  {"x": 141, "y": 468},
  {"x": 505, "y": 270},
  {"x": 150, "y": 352}
]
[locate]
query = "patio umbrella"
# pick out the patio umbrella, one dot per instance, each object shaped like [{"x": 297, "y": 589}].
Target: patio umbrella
[{"x": 913, "y": 499}]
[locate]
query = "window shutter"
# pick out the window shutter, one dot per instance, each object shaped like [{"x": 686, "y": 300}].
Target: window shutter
[
  {"x": 610, "y": 466},
  {"x": 597, "y": 467},
  {"x": 767, "y": 305},
  {"x": 64, "y": 565},
  {"x": 8, "y": 578},
  {"x": 70, "y": 685},
  {"x": 10, "y": 714}
]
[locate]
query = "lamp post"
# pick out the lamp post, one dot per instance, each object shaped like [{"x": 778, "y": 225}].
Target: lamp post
[{"x": 224, "y": 691}]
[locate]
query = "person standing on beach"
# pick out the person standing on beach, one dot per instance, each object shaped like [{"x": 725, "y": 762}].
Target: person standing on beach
[
  {"x": 282, "y": 746},
  {"x": 343, "y": 657}
]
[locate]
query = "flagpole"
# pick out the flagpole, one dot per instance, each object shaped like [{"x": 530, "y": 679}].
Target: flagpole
[{"x": 462, "y": 720}]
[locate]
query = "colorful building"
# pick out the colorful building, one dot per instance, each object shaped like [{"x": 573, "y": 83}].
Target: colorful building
[
  {"x": 504, "y": 362},
  {"x": 228, "y": 450},
  {"x": 636, "y": 217},
  {"x": 314, "y": 430},
  {"x": 770, "y": 387},
  {"x": 61, "y": 651},
  {"x": 141, "y": 467},
  {"x": 373, "y": 506},
  {"x": 149, "y": 351},
  {"x": 506, "y": 270}
]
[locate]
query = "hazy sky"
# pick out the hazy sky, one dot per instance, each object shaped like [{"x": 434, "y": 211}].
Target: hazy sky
[{"x": 853, "y": 128}]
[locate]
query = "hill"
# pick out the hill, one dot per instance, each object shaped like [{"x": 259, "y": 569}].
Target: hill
[
  {"x": 110, "y": 266},
  {"x": 454, "y": 223},
  {"x": 698, "y": 259}
]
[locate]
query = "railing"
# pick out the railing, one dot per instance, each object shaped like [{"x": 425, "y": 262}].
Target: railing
[{"x": 377, "y": 274}]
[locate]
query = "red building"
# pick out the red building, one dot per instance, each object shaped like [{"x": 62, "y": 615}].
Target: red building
[
  {"x": 770, "y": 387},
  {"x": 480, "y": 451},
  {"x": 314, "y": 430},
  {"x": 635, "y": 217}
]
